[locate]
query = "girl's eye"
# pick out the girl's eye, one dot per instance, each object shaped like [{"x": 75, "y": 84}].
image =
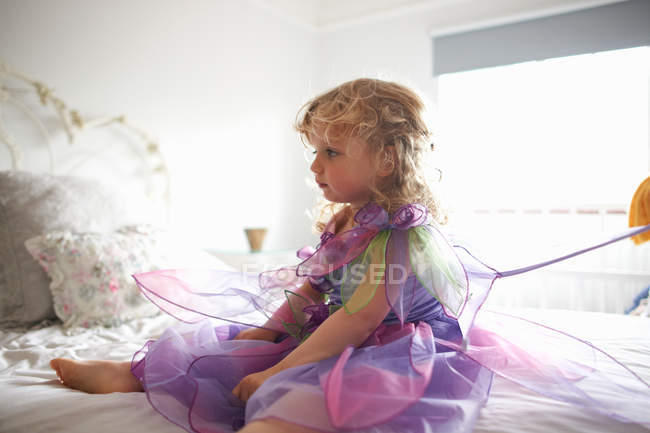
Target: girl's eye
[
  {"x": 331, "y": 153},
  {"x": 310, "y": 154}
]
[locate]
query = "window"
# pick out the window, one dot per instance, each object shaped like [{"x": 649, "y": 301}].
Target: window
[{"x": 559, "y": 133}]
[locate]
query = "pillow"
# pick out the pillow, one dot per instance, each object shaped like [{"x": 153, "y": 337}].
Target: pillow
[
  {"x": 32, "y": 204},
  {"x": 90, "y": 273}
]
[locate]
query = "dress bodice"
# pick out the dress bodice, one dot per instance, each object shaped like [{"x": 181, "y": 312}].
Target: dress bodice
[
  {"x": 425, "y": 308},
  {"x": 383, "y": 240}
]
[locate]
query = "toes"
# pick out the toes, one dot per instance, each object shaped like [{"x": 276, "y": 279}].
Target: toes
[{"x": 54, "y": 365}]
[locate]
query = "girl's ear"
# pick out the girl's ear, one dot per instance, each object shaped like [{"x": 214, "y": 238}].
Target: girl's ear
[{"x": 388, "y": 162}]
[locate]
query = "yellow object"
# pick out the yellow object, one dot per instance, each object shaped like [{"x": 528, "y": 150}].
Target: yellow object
[{"x": 640, "y": 211}]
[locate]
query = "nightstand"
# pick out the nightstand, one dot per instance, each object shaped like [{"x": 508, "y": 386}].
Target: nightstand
[{"x": 256, "y": 261}]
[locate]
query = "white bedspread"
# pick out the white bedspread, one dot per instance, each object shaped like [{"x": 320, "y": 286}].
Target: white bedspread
[{"x": 32, "y": 399}]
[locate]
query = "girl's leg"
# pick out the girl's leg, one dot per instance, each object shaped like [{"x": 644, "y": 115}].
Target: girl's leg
[
  {"x": 271, "y": 425},
  {"x": 96, "y": 377}
]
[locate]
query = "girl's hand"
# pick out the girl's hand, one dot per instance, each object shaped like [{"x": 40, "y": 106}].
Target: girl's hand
[
  {"x": 249, "y": 384},
  {"x": 257, "y": 334}
]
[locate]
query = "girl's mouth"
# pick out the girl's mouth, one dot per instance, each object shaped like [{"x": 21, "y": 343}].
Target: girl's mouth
[{"x": 322, "y": 185}]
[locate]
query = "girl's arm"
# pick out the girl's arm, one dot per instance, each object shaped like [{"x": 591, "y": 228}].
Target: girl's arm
[
  {"x": 330, "y": 338},
  {"x": 340, "y": 330},
  {"x": 285, "y": 313},
  {"x": 267, "y": 332}
]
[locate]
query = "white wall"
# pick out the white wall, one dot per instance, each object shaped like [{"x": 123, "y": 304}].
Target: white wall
[{"x": 216, "y": 82}]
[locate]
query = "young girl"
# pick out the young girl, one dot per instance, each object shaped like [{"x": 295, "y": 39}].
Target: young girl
[{"x": 376, "y": 330}]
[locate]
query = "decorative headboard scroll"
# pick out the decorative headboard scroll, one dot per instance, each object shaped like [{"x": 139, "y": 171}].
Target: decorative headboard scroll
[{"x": 73, "y": 123}]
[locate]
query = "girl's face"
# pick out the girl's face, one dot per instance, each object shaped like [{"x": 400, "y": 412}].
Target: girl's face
[{"x": 343, "y": 170}]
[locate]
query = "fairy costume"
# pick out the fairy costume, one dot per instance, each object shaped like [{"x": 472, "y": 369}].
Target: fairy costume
[{"x": 427, "y": 367}]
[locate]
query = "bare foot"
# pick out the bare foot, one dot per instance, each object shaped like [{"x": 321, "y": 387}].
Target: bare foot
[{"x": 96, "y": 377}]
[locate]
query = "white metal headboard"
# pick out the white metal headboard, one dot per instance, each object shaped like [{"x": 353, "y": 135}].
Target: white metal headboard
[{"x": 72, "y": 123}]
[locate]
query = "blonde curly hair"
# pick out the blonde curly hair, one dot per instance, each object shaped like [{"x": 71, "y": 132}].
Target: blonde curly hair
[{"x": 382, "y": 114}]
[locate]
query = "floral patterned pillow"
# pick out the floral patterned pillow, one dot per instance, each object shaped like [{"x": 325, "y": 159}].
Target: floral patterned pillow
[{"x": 90, "y": 273}]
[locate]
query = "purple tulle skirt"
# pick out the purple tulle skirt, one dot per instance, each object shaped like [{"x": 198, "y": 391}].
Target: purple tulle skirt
[
  {"x": 431, "y": 374},
  {"x": 399, "y": 380}
]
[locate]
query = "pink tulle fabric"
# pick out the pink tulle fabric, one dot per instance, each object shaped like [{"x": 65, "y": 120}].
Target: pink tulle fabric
[{"x": 427, "y": 367}]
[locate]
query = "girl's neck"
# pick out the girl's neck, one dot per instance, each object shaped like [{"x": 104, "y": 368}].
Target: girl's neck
[{"x": 344, "y": 219}]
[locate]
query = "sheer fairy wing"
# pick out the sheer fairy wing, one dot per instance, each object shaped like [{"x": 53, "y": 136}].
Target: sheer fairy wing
[
  {"x": 191, "y": 295},
  {"x": 400, "y": 286},
  {"x": 438, "y": 268},
  {"x": 337, "y": 252},
  {"x": 362, "y": 275},
  {"x": 404, "y": 260},
  {"x": 269, "y": 299},
  {"x": 556, "y": 364},
  {"x": 544, "y": 359}
]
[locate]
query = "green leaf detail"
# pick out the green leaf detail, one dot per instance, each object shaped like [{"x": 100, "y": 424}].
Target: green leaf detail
[
  {"x": 421, "y": 244},
  {"x": 293, "y": 311},
  {"x": 378, "y": 246}
]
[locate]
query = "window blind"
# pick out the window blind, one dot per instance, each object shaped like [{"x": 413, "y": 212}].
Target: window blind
[{"x": 614, "y": 26}]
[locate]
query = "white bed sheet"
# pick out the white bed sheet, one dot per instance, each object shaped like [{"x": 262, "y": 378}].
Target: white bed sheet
[{"x": 32, "y": 400}]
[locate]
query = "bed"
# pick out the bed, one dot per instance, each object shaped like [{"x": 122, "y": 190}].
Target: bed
[
  {"x": 34, "y": 400},
  {"x": 49, "y": 301}
]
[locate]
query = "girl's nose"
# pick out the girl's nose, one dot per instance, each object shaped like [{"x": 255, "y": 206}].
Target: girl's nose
[{"x": 315, "y": 166}]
